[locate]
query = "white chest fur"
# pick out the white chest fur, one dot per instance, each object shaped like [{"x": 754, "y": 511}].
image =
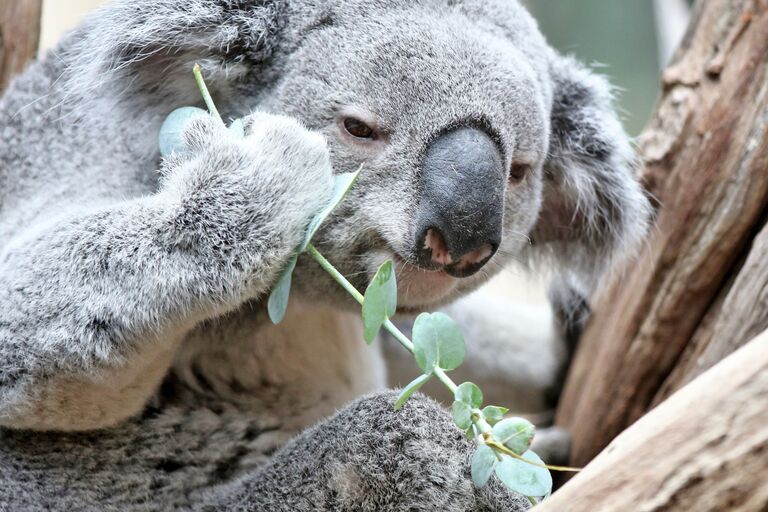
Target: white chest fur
[{"x": 302, "y": 370}]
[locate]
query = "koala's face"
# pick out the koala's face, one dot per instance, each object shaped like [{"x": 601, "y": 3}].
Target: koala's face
[{"x": 450, "y": 122}]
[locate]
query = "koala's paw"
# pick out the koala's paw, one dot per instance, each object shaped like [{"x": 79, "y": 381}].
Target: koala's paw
[{"x": 267, "y": 184}]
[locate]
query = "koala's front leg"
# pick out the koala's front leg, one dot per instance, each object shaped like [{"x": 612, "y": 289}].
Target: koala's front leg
[{"x": 93, "y": 305}]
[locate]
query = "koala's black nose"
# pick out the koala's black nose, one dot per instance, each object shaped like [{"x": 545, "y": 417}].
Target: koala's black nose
[{"x": 459, "y": 220}]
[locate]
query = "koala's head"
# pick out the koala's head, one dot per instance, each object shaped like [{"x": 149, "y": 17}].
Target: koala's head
[
  {"x": 449, "y": 119},
  {"x": 451, "y": 108},
  {"x": 479, "y": 144}
]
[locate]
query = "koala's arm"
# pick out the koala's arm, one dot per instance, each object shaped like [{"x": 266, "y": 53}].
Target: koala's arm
[{"x": 93, "y": 304}]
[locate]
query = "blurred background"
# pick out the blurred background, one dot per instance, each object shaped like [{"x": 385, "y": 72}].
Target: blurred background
[{"x": 628, "y": 41}]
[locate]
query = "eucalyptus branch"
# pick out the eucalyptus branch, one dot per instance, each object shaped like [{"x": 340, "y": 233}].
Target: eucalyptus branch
[
  {"x": 477, "y": 415},
  {"x": 437, "y": 344}
]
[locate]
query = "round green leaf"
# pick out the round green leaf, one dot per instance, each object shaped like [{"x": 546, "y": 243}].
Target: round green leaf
[
  {"x": 425, "y": 348},
  {"x": 451, "y": 342},
  {"x": 494, "y": 414},
  {"x": 514, "y": 433},
  {"x": 470, "y": 394},
  {"x": 524, "y": 478},
  {"x": 483, "y": 462},
  {"x": 437, "y": 342},
  {"x": 380, "y": 301},
  {"x": 462, "y": 415},
  {"x": 171, "y": 138}
]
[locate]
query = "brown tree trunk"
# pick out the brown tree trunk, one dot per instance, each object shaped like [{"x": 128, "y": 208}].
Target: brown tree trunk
[
  {"x": 700, "y": 290},
  {"x": 19, "y": 36},
  {"x": 704, "y": 449}
]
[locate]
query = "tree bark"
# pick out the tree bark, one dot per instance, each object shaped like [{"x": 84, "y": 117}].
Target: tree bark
[
  {"x": 19, "y": 36},
  {"x": 738, "y": 315},
  {"x": 704, "y": 449},
  {"x": 701, "y": 288}
]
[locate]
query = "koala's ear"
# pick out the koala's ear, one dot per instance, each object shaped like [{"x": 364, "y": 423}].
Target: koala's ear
[
  {"x": 594, "y": 211},
  {"x": 147, "y": 45}
]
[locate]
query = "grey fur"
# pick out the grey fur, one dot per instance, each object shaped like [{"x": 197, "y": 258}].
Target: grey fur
[
  {"x": 216, "y": 460},
  {"x": 115, "y": 277}
]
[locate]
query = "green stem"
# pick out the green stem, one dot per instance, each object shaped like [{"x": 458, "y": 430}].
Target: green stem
[
  {"x": 398, "y": 335},
  {"x": 478, "y": 419},
  {"x": 198, "y": 72},
  {"x": 446, "y": 380},
  {"x": 335, "y": 274},
  {"x": 503, "y": 449}
]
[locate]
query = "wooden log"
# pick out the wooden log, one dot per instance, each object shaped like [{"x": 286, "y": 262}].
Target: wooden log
[
  {"x": 704, "y": 449},
  {"x": 736, "y": 317},
  {"x": 19, "y": 36},
  {"x": 706, "y": 162}
]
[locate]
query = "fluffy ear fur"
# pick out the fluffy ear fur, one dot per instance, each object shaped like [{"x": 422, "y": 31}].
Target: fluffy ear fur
[
  {"x": 151, "y": 45},
  {"x": 594, "y": 211}
]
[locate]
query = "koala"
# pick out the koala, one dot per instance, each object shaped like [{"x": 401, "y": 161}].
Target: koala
[{"x": 138, "y": 367}]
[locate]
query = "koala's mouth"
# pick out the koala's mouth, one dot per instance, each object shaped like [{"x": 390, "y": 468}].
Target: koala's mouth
[{"x": 419, "y": 287}]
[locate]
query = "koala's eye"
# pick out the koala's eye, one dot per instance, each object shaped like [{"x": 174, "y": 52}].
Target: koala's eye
[
  {"x": 517, "y": 172},
  {"x": 359, "y": 129}
]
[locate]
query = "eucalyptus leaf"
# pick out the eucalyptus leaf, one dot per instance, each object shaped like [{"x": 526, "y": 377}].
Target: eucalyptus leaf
[
  {"x": 462, "y": 415},
  {"x": 341, "y": 185},
  {"x": 171, "y": 138},
  {"x": 470, "y": 394},
  {"x": 514, "y": 433},
  {"x": 525, "y": 478},
  {"x": 410, "y": 389},
  {"x": 425, "y": 348},
  {"x": 380, "y": 301},
  {"x": 278, "y": 299},
  {"x": 494, "y": 414},
  {"x": 483, "y": 462},
  {"x": 437, "y": 342}
]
